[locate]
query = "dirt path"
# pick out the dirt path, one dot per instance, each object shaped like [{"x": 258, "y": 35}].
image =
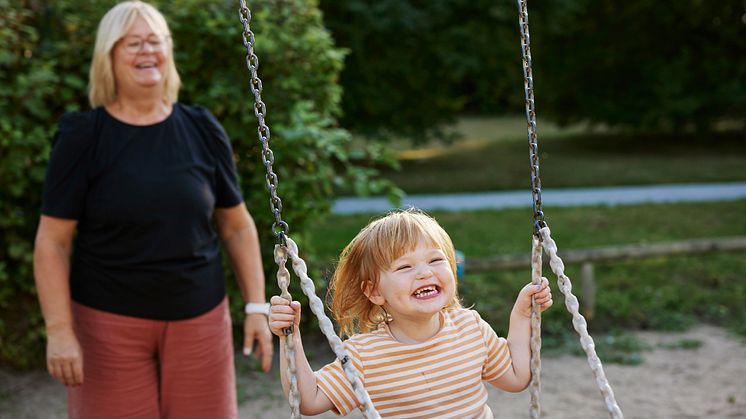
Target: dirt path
[{"x": 707, "y": 382}]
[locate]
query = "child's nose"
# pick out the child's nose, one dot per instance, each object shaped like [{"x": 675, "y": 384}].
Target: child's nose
[{"x": 424, "y": 272}]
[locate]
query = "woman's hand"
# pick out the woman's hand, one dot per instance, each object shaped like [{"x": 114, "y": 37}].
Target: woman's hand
[
  {"x": 255, "y": 328},
  {"x": 540, "y": 293},
  {"x": 283, "y": 314},
  {"x": 64, "y": 356}
]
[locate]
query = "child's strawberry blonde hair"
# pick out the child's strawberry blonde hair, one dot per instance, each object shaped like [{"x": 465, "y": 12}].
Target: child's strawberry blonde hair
[{"x": 373, "y": 250}]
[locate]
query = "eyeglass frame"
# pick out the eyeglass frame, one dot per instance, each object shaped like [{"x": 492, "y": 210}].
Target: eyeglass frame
[{"x": 155, "y": 46}]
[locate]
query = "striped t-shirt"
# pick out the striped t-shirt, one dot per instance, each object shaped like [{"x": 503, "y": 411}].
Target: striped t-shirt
[{"x": 440, "y": 378}]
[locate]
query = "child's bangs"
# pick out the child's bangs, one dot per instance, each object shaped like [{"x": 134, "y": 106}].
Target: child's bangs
[{"x": 398, "y": 234}]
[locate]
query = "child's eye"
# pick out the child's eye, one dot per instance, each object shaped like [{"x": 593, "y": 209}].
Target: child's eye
[
  {"x": 401, "y": 268},
  {"x": 439, "y": 259}
]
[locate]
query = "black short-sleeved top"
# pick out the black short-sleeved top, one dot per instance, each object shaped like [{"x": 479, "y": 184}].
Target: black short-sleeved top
[{"x": 144, "y": 198}]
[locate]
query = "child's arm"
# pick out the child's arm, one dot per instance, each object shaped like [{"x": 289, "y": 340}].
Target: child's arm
[
  {"x": 518, "y": 375},
  {"x": 282, "y": 315}
]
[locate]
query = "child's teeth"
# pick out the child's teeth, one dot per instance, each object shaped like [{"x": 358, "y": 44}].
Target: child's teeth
[{"x": 426, "y": 291}]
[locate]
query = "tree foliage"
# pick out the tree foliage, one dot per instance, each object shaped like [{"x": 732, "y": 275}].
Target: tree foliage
[
  {"x": 415, "y": 64},
  {"x": 43, "y": 72},
  {"x": 644, "y": 65},
  {"x": 639, "y": 64}
]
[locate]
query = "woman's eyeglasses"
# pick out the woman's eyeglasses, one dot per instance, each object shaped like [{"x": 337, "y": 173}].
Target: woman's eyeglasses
[{"x": 135, "y": 44}]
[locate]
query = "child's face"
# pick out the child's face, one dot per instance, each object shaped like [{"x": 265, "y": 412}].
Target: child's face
[{"x": 416, "y": 285}]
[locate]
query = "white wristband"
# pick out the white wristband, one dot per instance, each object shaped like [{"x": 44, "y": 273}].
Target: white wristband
[{"x": 260, "y": 308}]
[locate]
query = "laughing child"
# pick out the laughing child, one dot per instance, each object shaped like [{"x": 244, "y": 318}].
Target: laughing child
[{"x": 417, "y": 351}]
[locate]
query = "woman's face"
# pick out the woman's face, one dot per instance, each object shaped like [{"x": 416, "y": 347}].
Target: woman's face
[{"x": 139, "y": 59}]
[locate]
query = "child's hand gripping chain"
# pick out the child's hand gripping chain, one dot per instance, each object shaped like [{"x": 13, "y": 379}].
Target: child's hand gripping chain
[
  {"x": 541, "y": 293},
  {"x": 283, "y": 314}
]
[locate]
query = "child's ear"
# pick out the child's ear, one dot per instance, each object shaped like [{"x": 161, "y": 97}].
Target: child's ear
[{"x": 371, "y": 291}]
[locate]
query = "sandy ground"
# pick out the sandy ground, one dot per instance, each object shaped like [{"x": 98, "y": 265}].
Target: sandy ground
[{"x": 707, "y": 382}]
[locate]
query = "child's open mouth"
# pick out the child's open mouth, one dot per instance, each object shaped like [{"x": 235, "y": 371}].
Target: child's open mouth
[{"x": 428, "y": 291}]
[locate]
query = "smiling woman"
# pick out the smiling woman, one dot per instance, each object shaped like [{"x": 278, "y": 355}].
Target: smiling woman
[
  {"x": 120, "y": 48},
  {"x": 141, "y": 63},
  {"x": 137, "y": 316}
]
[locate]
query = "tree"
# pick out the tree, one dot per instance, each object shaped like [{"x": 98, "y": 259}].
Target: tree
[{"x": 638, "y": 64}]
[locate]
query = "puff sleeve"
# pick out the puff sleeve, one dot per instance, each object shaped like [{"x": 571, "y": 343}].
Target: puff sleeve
[
  {"x": 67, "y": 176},
  {"x": 227, "y": 189}
]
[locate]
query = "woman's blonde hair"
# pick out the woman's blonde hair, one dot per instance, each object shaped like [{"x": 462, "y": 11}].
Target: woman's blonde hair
[
  {"x": 113, "y": 26},
  {"x": 373, "y": 250}
]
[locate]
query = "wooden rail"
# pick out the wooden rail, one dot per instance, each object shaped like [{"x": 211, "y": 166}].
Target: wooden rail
[
  {"x": 586, "y": 257},
  {"x": 611, "y": 253}
]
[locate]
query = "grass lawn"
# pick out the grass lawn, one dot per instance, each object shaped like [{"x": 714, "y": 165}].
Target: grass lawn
[
  {"x": 489, "y": 232},
  {"x": 493, "y": 155},
  {"x": 663, "y": 293},
  {"x": 658, "y": 293}
]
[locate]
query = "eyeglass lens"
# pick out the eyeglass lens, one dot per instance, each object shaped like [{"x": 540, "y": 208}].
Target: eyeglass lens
[{"x": 135, "y": 44}]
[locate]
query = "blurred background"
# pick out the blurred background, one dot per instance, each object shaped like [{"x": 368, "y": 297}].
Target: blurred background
[{"x": 397, "y": 98}]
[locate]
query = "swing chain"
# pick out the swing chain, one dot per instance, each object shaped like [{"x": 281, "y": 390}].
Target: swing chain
[
  {"x": 279, "y": 227},
  {"x": 528, "y": 88}
]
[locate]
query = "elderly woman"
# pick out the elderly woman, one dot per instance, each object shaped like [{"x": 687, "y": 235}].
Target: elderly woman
[{"x": 127, "y": 263}]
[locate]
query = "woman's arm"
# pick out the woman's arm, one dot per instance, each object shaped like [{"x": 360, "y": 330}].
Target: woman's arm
[
  {"x": 282, "y": 315},
  {"x": 52, "y": 250},
  {"x": 237, "y": 230}
]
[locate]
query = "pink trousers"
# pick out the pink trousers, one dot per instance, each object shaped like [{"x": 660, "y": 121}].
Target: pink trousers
[{"x": 151, "y": 369}]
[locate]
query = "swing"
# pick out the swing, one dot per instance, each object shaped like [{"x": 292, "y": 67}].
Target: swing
[{"x": 286, "y": 249}]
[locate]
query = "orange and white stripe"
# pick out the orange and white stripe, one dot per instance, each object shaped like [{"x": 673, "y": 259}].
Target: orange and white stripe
[{"x": 440, "y": 378}]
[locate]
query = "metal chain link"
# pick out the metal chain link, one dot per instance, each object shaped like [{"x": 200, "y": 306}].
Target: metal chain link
[
  {"x": 528, "y": 88},
  {"x": 542, "y": 236},
  {"x": 579, "y": 323},
  {"x": 283, "y": 281},
  {"x": 534, "y": 388},
  {"x": 279, "y": 227},
  {"x": 287, "y": 247}
]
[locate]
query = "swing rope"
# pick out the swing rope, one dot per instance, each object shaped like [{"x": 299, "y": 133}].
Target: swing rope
[
  {"x": 534, "y": 387},
  {"x": 536, "y": 248},
  {"x": 580, "y": 325},
  {"x": 542, "y": 238},
  {"x": 287, "y": 248}
]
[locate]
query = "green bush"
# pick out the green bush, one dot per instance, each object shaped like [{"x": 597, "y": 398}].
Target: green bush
[{"x": 43, "y": 73}]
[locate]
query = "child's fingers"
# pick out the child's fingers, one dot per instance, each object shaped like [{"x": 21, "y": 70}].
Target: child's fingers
[
  {"x": 282, "y": 320},
  {"x": 279, "y": 301},
  {"x": 546, "y": 305},
  {"x": 542, "y": 297},
  {"x": 278, "y": 327},
  {"x": 281, "y": 309},
  {"x": 540, "y": 289},
  {"x": 543, "y": 292},
  {"x": 295, "y": 305},
  {"x": 281, "y": 317},
  {"x": 281, "y": 314}
]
